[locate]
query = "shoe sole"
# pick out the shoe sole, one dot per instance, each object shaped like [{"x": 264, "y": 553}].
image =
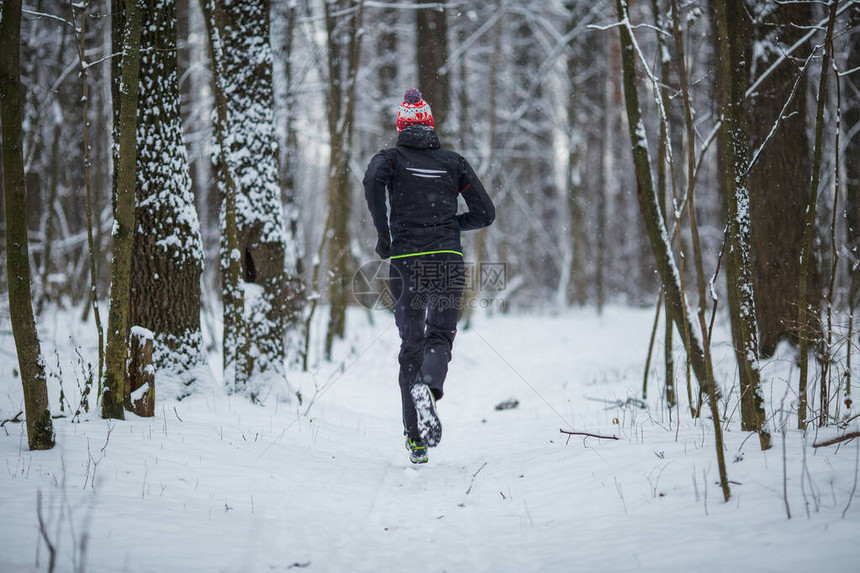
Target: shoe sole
[{"x": 428, "y": 421}]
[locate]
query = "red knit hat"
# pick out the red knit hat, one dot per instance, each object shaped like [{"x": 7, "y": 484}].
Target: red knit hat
[{"x": 414, "y": 110}]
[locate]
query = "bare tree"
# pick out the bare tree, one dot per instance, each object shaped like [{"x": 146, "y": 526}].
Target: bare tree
[
  {"x": 343, "y": 20},
  {"x": 737, "y": 197},
  {"x": 806, "y": 251},
  {"x": 699, "y": 354},
  {"x": 295, "y": 297},
  {"x": 851, "y": 115},
  {"x": 576, "y": 273},
  {"x": 125, "y": 112},
  {"x": 431, "y": 42},
  {"x": 40, "y": 432}
]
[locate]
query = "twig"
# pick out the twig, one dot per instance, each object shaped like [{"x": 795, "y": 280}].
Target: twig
[
  {"x": 587, "y": 435},
  {"x": 853, "y": 489},
  {"x": 110, "y": 428},
  {"x": 785, "y": 476},
  {"x": 651, "y": 345},
  {"x": 621, "y": 495},
  {"x": 15, "y": 420},
  {"x": 474, "y": 475},
  {"x": 843, "y": 438},
  {"x": 43, "y": 531}
]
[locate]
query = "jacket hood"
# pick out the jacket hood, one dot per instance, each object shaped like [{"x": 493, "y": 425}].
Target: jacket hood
[{"x": 418, "y": 137}]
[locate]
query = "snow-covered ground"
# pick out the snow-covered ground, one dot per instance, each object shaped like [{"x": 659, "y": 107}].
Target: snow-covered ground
[{"x": 214, "y": 483}]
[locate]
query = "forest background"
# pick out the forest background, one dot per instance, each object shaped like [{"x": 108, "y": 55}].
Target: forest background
[{"x": 202, "y": 162}]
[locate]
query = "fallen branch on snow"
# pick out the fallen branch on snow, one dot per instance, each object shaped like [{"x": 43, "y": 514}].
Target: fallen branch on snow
[
  {"x": 15, "y": 420},
  {"x": 587, "y": 435},
  {"x": 844, "y": 438}
]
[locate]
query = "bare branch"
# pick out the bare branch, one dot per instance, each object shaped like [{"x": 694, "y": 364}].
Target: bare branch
[
  {"x": 755, "y": 85},
  {"x": 587, "y": 435},
  {"x": 46, "y": 15},
  {"x": 782, "y": 116},
  {"x": 15, "y": 420},
  {"x": 843, "y": 438}
]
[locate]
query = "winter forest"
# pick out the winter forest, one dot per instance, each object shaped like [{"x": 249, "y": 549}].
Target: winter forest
[{"x": 655, "y": 355}]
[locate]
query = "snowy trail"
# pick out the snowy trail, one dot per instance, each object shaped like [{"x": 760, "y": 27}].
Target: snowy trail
[{"x": 214, "y": 483}]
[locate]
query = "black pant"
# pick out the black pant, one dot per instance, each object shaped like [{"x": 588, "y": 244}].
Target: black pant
[{"x": 427, "y": 292}]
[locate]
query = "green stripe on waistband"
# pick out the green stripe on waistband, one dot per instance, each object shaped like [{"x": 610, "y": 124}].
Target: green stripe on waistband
[{"x": 425, "y": 253}]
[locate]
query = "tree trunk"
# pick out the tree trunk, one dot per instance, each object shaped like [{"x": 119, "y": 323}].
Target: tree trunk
[
  {"x": 140, "y": 391},
  {"x": 779, "y": 180},
  {"x": 578, "y": 277},
  {"x": 662, "y": 191},
  {"x": 88, "y": 187},
  {"x": 659, "y": 236},
  {"x": 607, "y": 171},
  {"x": 804, "y": 308},
  {"x": 431, "y": 43},
  {"x": 343, "y": 49},
  {"x": 851, "y": 114},
  {"x": 295, "y": 297},
  {"x": 167, "y": 258},
  {"x": 250, "y": 151},
  {"x": 387, "y": 88},
  {"x": 125, "y": 110},
  {"x": 40, "y": 432},
  {"x": 490, "y": 173},
  {"x": 235, "y": 340},
  {"x": 742, "y": 307}
]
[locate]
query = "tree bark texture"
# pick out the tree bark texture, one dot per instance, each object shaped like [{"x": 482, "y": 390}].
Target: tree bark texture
[
  {"x": 31, "y": 364},
  {"x": 851, "y": 115},
  {"x": 126, "y": 92},
  {"x": 140, "y": 390},
  {"x": 806, "y": 253},
  {"x": 251, "y": 144},
  {"x": 167, "y": 258},
  {"x": 662, "y": 191},
  {"x": 734, "y": 150},
  {"x": 235, "y": 340},
  {"x": 778, "y": 183}
]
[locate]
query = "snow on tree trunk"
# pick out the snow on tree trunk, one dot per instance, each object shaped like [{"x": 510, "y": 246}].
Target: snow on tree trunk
[
  {"x": 168, "y": 255},
  {"x": 295, "y": 294},
  {"x": 235, "y": 341},
  {"x": 251, "y": 145},
  {"x": 125, "y": 92},
  {"x": 40, "y": 433},
  {"x": 734, "y": 147},
  {"x": 659, "y": 237}
]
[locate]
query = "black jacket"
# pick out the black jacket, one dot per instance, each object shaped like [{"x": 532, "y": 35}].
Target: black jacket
[{"x": 423, "y": 181}]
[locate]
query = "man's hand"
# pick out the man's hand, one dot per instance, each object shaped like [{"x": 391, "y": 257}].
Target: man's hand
[{"x": 383, "y": 244}]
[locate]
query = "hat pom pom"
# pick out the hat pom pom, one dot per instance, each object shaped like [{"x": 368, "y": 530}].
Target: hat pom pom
[{"x": 412, "y": 96}]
